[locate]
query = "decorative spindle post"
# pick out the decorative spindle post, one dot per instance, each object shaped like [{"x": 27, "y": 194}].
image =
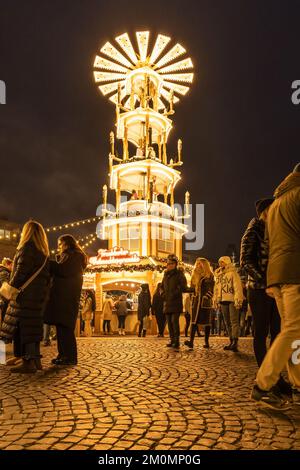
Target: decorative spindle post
[
  {"x": 112, "y": 142},
  {"x": 131, "y": 94},
  {"x": 104, "y": 197},
  {"x": 147, "y": 135},
  {"x": 159, "y": 146},
  {"x": 125, "y": 142},
  {"x": 164, "y": 148}
]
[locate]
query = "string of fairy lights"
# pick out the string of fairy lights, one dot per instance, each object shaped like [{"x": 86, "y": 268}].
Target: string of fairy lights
[
  {"x": 75, "y": 224},
  {"x": 85, "y": 241}
]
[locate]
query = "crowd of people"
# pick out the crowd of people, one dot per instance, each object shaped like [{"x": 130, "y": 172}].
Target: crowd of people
[
  {"x": 41, "y": 291},
  {"x": 36, "y": 290}
]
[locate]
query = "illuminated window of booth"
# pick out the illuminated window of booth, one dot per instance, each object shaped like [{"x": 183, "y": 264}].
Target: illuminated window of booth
[
  {"x": 130, "y": 237},
  {"x": 166, "y": 241}
]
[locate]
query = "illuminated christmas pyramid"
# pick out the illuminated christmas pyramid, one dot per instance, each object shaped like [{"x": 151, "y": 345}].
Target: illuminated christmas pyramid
[{"x": 144, "y": 85}]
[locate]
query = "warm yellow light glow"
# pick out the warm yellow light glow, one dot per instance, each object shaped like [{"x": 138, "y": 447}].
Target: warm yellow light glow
[
  {"x": 127, "y": 47},
  {"x": 175, "y": 52},
  {"x": 177, "y": 88},
  {"x": 160, "y": 44},
  {"x": 106, "y": 64},
  {"x": 167, "y": 96},
  {"x": 154, "y": 220},
  {"x": 181, "y": 65},
  {"x": 109, "y": 88},
  {"x": 142, "y": 40},
  {"x": 180, "y": 77},
  {"x": 110, "y": 50},
  {"x": 108, "y": 76},
  {"x": 131, "y": 75}
]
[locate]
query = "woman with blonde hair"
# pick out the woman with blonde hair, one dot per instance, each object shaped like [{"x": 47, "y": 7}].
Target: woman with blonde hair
[
  {"x": 202, "y": 282},
  {"x": 23, "y": 321}
]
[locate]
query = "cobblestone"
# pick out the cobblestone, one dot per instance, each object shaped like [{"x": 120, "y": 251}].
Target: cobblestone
[{"x": 134, "y": 393}]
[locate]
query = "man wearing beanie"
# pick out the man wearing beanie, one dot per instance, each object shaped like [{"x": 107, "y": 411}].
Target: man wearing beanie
[
  {"x": 254, "y": 260},
  {"x": 174, "y": 284},
  {"x": 283, "y": 281}
]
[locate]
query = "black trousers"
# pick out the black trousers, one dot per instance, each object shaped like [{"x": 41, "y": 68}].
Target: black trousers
[
  {"x": 121, "y": 322},
  {"x": 266, "y": 321},
  {"x": 106, "y": 326},
  {"x": 194, "y": 329},
  {"x": 66, "y": 343},
  {"x": 173, "y": 325},
  {"x": 161, "y": 322}
]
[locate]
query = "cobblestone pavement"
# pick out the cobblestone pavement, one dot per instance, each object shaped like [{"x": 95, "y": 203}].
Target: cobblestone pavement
[{"x": 134, "y": 393}]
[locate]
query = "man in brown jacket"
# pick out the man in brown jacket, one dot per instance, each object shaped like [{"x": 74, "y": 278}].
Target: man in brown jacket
[{"x": 283, "y": 281}]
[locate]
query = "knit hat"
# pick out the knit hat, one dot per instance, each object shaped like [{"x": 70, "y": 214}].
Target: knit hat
[
  {"x": 172, "y": 259},
  {"x": 225, "y": 259},
  {"x": 297, "y": 168},
  {"x": 262, "y": 204}
]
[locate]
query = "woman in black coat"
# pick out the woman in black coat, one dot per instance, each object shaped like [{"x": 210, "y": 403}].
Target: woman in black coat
[
  {"x": 63, "y": 306},
  {"x": 144, "y": 305},
  {"x": 23, "y": 321},
  {"x": 158, "y": 310}
]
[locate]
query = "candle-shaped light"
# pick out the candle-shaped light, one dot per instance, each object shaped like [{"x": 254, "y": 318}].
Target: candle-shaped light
[
  {"x": 187, "y": 204},
  {"x": 179, "y": 149}
]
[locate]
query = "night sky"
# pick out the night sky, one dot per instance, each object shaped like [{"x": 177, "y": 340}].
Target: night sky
[{"x": 239, "y": 127}]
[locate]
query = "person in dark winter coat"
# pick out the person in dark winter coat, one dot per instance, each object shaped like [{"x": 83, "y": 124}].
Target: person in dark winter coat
[
  {"x": 158, "y": 310},
  {"x": 144, "y": 306},
  {"x": 23, "y": 322},
  {"x": 5, "y": 271},
  {"x": 283, "y": 283},
  {"x": 203, "y": 284},
  {"x": 62, "y": 308},
  {"x": 122, "y": 306},
  {"x": 254, "y": 259},
  {"x": 174, "y": 284}
]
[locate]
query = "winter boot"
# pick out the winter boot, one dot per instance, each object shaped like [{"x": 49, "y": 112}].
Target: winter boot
[
  {"x": 229, "y": 346},
  {"x": 207, "y": 334},
  {"x": 27, "y": 367},
  {"x": 38, "y": 364},
  {"x": 144, "y": 333},
  {"x": 234, "y": 346}
]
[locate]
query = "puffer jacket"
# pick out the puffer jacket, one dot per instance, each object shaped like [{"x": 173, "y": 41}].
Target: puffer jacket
[
  {"x": 4, "y": 274},
  {"x": 174, "y": 284},
  {"x": 283, "y": 229},
  {"x": 26, "y": 312},
  {"x": 228, "y": 286},
  {"x": 254, "y": 254},
  {"x": 4, "y": 277}
]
